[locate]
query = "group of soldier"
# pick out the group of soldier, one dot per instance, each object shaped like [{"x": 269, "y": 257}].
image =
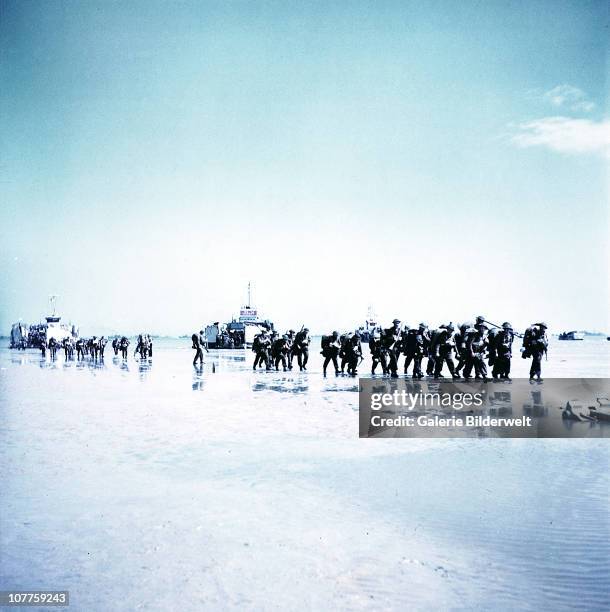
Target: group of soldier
[
  {"x": 94, "y": 347},
  {"x": 272, "y": 350},
  {"x": 82, "y": 347},
  {"x": 477, "y": 347},
  {"x": 144, "y": 346},
  {"x": 231, "y": 339}
]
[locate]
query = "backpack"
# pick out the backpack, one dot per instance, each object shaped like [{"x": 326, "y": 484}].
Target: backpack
[
  {"x": 528, "y": 338},
  {"x": 411, "y": 342}
]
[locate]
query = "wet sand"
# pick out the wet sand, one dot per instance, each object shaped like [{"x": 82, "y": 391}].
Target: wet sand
[{"x": 155, "y": 486}]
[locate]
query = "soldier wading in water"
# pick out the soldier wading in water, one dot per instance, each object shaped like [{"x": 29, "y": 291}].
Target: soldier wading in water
[
  {"x": 535, "y": 345},
  {"x": 199, "y": 345},
  {"x": 261, "y": 347},
  {"x": 442, "y": 348},
  {"x": 353, "y": 352},
  {"x": 390, "y": 348},
  {"x": 503, "y": 341},
  {"x": 414, "y": 349},
  {"x": 375, "y": 349},
  {"x": 331, "y": 346},
  {"x": 300, "y": 348}
]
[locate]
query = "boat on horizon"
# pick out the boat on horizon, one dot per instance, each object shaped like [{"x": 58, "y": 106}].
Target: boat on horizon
[{"x": 571, "y": 335}]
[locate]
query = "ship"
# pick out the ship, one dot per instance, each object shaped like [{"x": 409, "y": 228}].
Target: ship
[
  {"x": 19, "y": 335},
  {"x": 571, "y": 335},
  {"x": 238, "y": 333},
  {"x": 370, "y": 324},
  {"x": 34, "y": 336}
]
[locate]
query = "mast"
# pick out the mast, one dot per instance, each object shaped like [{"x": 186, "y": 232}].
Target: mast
[
  {"x": 249, "y": 301},
  {"x": 52, "y": 317}
]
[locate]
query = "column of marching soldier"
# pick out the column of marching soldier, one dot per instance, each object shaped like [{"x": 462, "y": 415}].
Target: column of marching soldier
[
  {"x": 472, "y": 348},
  {"x": 94, "y": 347}
]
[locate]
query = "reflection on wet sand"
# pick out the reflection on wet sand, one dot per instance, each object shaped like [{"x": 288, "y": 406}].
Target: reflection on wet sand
[
  {"x": 198, "y": 380},
  {"x": 144, "y": 367},
  {"x": 330, "y": 387},
  {"x": 536, "y": 408},
  {"x": 269, "y": 459},
  {"x": 232, "y": 357},
  {"x": 500, "y": 404},
  {"x": 282, "y": 384}
]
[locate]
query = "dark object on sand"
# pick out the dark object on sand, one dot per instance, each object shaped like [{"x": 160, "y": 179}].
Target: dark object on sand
[
  {"x": 599, "y": 415},
  {"x": 603, "y": 412},
  {"x": 568, "y": 414}
]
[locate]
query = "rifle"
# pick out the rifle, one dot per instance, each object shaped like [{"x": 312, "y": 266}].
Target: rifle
[{"x": 500, "y": 327}]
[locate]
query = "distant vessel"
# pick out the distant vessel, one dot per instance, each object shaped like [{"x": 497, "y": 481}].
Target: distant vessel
[
  {"x": 369, "y": 326},
  {"x": 571, "y": 335},
  {"x": 33, "y": 336},
  {"x": 238, "y": 333}
]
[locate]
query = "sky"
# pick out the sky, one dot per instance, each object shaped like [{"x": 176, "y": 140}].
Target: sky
[{"x": 435, "y": 160}]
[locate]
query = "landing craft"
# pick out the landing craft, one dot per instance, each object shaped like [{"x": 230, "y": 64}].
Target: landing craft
[
  {"x": 571, "y": 335},
  {"x": 33, "y": 336},
  {"x": 238, "y": 333},
  {"x": 19, "y": 335}
]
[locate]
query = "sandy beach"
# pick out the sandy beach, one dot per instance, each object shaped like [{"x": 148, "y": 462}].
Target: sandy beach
[{"x": 150, "y": 486}]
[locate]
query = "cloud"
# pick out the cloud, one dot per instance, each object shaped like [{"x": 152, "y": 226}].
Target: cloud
[
  {"x": 569, "y": 97},
  {"x": 565, "y": 135}
]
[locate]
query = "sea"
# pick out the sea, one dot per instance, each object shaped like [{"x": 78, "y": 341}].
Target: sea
[{"x": 151, "y": 485}]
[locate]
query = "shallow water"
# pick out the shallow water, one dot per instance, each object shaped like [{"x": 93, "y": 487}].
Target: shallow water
[{"x": 156, "y": 486}]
